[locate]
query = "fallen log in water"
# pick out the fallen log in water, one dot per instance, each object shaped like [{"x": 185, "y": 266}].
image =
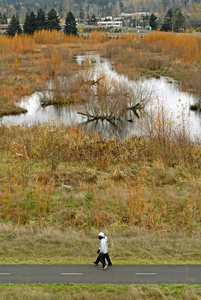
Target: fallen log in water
[
  {"x": 45, "y": 103},
  {"x": 135, "y": 108},
  {"x": 60, "y": 101},
  {"x": 107, "y": 118}
]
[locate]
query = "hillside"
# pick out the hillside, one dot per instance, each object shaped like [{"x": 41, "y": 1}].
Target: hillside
[{"x": 101, "y": 8}]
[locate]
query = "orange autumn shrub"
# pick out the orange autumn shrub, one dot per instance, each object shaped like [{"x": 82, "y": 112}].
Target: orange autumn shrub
[
  {"x": 18, "y": 43},
  {"x": 183, "y": 46}
]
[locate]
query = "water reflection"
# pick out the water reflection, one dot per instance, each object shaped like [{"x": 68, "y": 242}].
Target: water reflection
[
  {"x": 91, "y": 58},
  {"x": 177, "y": 102},
  {"x": 120, "y": 129}
]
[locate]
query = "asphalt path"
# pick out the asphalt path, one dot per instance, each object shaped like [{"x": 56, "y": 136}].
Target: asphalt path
[{"x": 87, "y": 274}]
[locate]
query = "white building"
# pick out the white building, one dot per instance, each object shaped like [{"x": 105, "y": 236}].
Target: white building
[{"x": 117, "y": 24}]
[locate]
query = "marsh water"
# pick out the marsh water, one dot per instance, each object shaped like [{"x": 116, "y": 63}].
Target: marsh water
[{"x": 167, "y": 91}]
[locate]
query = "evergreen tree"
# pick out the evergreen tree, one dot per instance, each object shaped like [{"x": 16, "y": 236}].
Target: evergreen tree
[
  {"x": 33, "y": 23},
  {"x": 40, "y": 19},
  {"x": 30, "y": 23},
  {"x": 153, "y": 22},
  {"x": 167, "y": 24},
  {"x": 70, "y": 24},
  {"x": 53, "y": 20},
  {"x": 14, "y": 26},
  {"x": 26, "y": 26},
  {"x": 179, "y": 20}
]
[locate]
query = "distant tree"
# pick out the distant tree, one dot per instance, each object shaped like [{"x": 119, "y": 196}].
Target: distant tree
[
  {"x": 3, "y": 19},
  {"x": 40, "y": 19},
  {"x": 167, "y": 24},
  {"x": 81, "y": 15},
  {"x": 92, "y": 20},
  {"x": 70, "y": 24},
  {"x": 53, "y": 20},
  {"x": 165, "y": 4},
  {"x": 145, "y": 20},
  {"x": 32, "y": 19},
  {"x": 195, "y": 15},
  {"x": 153, "y": 22},
  {"x": 179, "y": 20},
  {"x": 14, "y": 26}
]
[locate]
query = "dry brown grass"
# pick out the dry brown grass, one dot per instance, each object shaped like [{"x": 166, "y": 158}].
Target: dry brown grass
[
  {"x": 31, "y": 244},
  {"x": 132, "y": 182}
]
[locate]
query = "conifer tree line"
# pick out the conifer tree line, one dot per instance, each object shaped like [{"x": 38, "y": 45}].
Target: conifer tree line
[
  {"x": 173, "y": 21},
  {"x": 34, "y": 22}
]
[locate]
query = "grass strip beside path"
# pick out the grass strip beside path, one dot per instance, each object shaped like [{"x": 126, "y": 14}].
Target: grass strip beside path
[
  {"x": 50, "y": 246},
  {"x": 102, "y": 291}
]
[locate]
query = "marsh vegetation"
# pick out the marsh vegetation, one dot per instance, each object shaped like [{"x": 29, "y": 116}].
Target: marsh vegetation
[{"x": 59, "y": 178}]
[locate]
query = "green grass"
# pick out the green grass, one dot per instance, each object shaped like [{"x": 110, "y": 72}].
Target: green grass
[
  {"x": 102, "y": 291},
  {"x": 9, "y": 108}
]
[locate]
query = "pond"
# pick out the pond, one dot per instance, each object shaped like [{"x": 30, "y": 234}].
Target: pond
[{"x": 166, "y": 91}]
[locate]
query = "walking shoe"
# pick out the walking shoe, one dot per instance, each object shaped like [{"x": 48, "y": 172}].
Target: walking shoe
[
  {"x": 109, "y": 265},
  {"x": 95, "y": 264},
  {"x": 104, "y": 267}
]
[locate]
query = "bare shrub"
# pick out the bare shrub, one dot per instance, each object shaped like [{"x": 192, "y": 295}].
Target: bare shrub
[
  {"x": 110, "y": 95},
  {"x": 169, "y": 139},
  {"x": 106, "y": 102},
  {"x": 140, "y": 93}
]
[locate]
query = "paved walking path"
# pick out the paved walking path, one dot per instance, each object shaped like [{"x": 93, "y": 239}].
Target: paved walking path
[{"x": 117, "y": 274}]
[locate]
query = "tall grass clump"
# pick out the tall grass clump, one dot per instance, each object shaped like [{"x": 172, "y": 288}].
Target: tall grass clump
[{"x": 169, "y": 139}]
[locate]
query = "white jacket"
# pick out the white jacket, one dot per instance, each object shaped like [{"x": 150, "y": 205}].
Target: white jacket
[{"x": 103, "y": 245}]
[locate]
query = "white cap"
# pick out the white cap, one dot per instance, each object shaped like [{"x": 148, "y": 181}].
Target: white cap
[{"x": 101, "y": 234}]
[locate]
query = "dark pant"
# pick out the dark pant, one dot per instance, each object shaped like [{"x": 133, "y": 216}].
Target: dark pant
[{"x": 102, "y": 257}]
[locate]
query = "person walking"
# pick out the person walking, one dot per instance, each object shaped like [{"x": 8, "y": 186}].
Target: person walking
[{"x": 103, "y": 252}]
